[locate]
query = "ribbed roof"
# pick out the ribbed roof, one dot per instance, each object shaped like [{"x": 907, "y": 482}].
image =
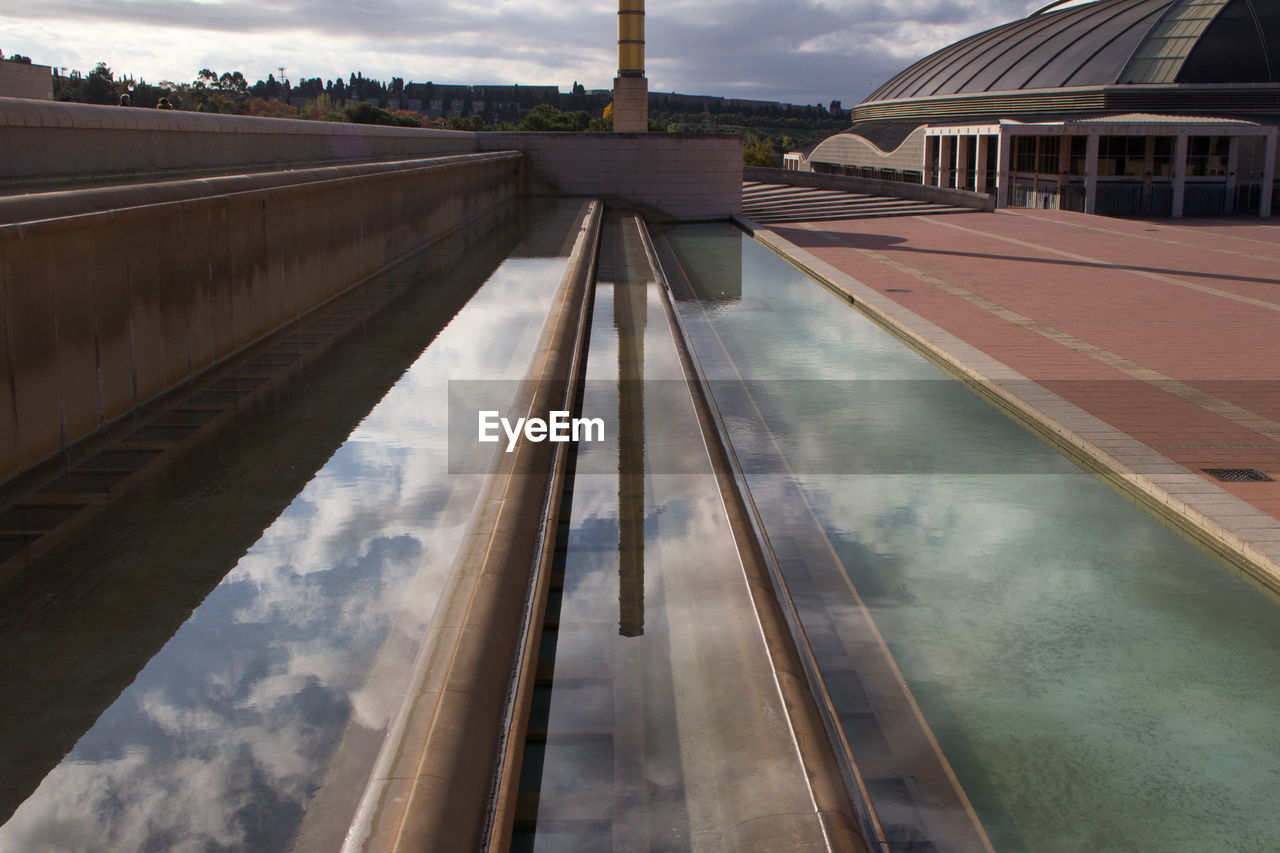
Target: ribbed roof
[{"x": 1104, "y": 43}]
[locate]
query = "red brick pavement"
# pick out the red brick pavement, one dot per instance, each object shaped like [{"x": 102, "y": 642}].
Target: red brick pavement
[{"x": 1089, "y": 306}]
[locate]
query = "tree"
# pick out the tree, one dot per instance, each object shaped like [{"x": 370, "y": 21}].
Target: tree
[
  {"x": 758, "y": 153},
  {"x": 100, "y": 87},
  {"x": 545, "y": 117},
  {"x": 234, "y": 84},
  {"x": 363, "y": 112},
  {"x": 472, "y": 123},
  {"x": 69, "y": 88},
  {"x": 321, "y": 108}
]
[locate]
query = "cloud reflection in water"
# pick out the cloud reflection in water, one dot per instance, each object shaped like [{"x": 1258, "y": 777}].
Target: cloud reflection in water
[{"x": 225, "y": 735}]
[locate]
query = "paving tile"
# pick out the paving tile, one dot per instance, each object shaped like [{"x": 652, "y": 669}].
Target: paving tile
[{"x": 1165, "y": 332}]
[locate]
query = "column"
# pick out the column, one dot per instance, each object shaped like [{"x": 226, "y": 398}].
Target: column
[
  {"x": 1233, "y": 165},
  {"x": 1004, "y": 151},
  {"x": 1179, "y": 173},
  {"x": 1148, "y": 172},
  {"x": 946, "y": 148},
  {"x": 980, "y": 153},
  {"x": 962, "y": 162},
  {"x": 1091, "y": 174},
  {"x": 1064, "y": 169},
  {"x": 1268, "y": 174}
]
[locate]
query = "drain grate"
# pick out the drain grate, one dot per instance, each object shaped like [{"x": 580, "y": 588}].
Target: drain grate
[
  {"x": 898, "y": 290},
  {"x": 1238, "y": 475}
]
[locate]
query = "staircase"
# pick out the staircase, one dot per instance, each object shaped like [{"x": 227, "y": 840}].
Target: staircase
[{"x": 770, "y": 204}]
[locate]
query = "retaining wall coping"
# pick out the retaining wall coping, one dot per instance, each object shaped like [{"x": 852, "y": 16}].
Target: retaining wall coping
[
  {"x": 20, "y": 112},
  {"x": 39, "y": 208}
]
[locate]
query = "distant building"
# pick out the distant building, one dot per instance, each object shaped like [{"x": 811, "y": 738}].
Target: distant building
[
  {"x": 25, "y": 80},
  {"x": 1155, "y": 107}
]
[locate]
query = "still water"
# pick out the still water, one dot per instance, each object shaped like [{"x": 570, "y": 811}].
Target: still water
[
  {"x": 655, "y": 725},
  {"x": 256, "y": 722},
  {"x": 1092, "y": 680}
]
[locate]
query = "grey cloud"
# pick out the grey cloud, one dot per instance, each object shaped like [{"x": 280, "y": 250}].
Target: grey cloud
[{"x": 749, "y": 49}]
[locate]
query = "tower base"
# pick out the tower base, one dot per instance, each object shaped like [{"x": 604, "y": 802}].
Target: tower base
[{"x": 630, "y": 104}]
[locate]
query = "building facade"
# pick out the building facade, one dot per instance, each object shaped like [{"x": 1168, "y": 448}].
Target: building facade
[{"x": 1151, "y": 107}]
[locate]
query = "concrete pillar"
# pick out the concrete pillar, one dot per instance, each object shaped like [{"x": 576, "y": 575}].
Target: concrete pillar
[
  {"x": 630, "y": 105},
  {"x": 1004, "y": 151},
  {"x": 1233, "y": 165},
  {"x": 1064, "y": 167},
  {"x": 1091, "y": 174},
  {"x": 929, "y": 167},
  {"x": 962, "y": 162},
  {"x": 1268, "y": 175},
  {"x": 981, "y": 155},
  {"x": 1179, "y": 173},
  {"x": 952, "y": 152}
]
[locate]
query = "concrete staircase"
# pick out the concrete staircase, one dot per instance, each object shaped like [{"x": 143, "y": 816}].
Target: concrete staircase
[{"x": 769, "y": 203}]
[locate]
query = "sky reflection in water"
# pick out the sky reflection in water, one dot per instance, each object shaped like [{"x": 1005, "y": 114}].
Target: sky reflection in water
[
  {"x": 225, "y": 735},
  {"x": 1095, "y": 681}
]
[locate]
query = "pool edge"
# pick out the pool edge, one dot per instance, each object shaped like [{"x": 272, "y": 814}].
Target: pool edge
[{"x": 987, "y": 377}]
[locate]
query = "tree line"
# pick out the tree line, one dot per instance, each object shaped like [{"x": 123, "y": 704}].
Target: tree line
[{"x": 768, "y": 129}]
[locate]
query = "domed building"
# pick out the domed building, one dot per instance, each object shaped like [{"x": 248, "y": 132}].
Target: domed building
[{"x": 1154, "y": 107}]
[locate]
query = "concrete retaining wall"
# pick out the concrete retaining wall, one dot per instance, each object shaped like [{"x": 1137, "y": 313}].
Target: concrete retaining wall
[
  {"x": 113, "y": 295},
  {"x": 104, "y": 311},
  {"x": 893, "y": 189},
  {"x": 51, "y": 140},
  {"x": 687, "y": 177},
  {"x": 48, "y": 143}
]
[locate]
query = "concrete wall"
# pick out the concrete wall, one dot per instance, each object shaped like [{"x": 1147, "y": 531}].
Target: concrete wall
[
  {"x": 688, "y": 177},
  {"x": 20, "y": 80},
  {"x": 104, "y": 311},
  {"x": 112, "y": 295},
  {"x": 681, "y": 176},
  {"x": 893, "y": 189},
  {"x": 52, "y": 140}
]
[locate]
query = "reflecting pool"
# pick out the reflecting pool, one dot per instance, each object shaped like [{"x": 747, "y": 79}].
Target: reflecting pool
[
  {"x": 1091, "y": 680},
  {"x": 256, "y": 722}
]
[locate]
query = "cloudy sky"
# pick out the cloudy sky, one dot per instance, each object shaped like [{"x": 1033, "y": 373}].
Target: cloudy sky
[{"x": 801, "y": 51}]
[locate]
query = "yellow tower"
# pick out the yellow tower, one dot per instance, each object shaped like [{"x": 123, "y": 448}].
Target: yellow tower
[{"x": 630, "y": 87}]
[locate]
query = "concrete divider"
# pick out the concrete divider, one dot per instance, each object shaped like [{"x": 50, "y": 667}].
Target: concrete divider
[
  {"x": 893, "y": 189},
  {"x": 432, "y": 785},
  {"x": 104, "y": 311}
]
